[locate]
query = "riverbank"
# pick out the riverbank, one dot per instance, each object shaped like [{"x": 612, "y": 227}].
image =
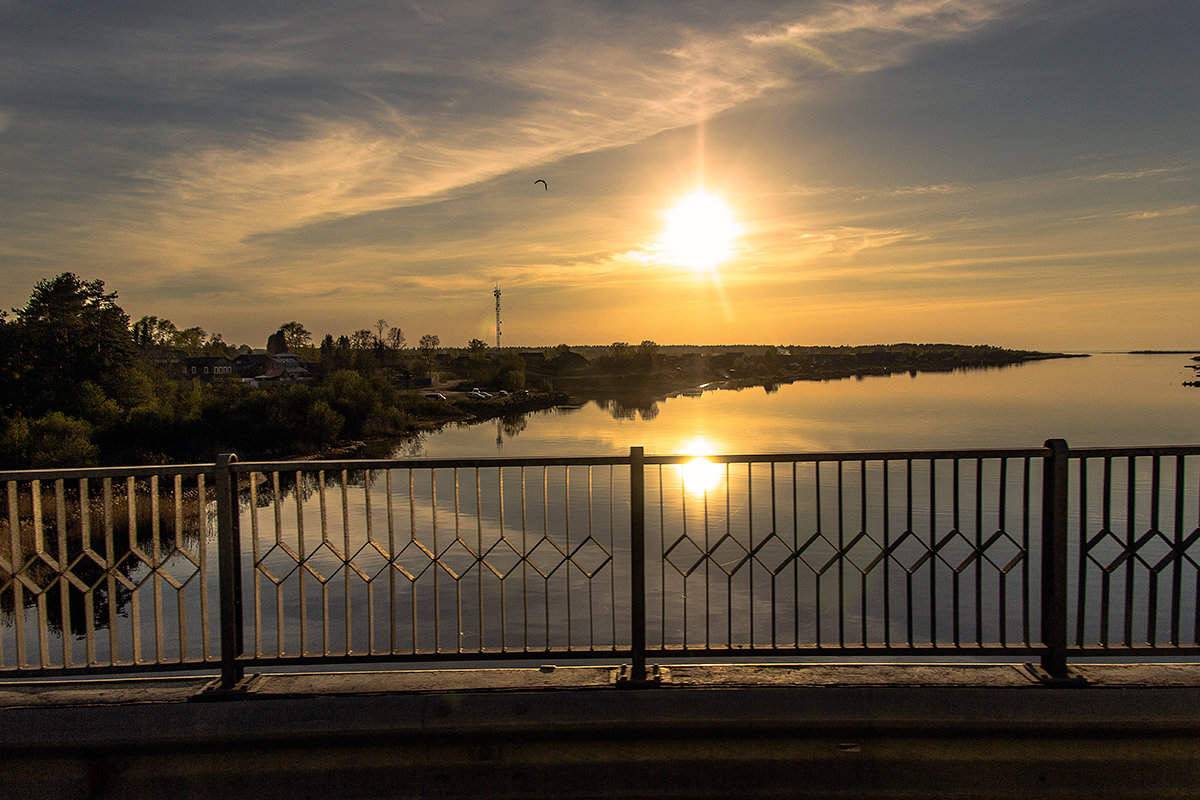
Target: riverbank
[{"x": 639, "y": 380}]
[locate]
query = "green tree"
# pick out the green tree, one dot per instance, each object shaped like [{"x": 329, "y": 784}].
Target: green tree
[
  {"x": 295, "y": 336},
  {"x": 277, "y": 343},
  {"x": 478, "y": 348},
  {"x": 71, "y": 331},
  {"x": 428, "y": 347},
  {"x": 150, "y": 331}
]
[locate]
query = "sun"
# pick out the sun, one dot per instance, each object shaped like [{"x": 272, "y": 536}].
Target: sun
[{"x": 701, "y": 231}]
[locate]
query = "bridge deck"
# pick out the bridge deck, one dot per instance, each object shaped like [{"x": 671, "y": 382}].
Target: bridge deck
[{"x": 870, "y": 730}]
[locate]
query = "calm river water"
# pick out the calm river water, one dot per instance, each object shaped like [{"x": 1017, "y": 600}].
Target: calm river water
[
  {"x": 1105, "y": 400},
  {"x": 489, "y": 558}
]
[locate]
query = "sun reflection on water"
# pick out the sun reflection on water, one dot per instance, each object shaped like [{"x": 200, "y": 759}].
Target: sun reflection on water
[{"x": 700, "y": 475}]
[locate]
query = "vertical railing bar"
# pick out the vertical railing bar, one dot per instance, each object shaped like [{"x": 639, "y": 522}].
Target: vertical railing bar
[
  {"x": 774, "y": 578},
  {"x": 458, "y": 603},
  {"x": 1082, "y": 570},
  {"x": 774, "y": 588},
  {"x": 1177, "y": 551},
  {"x": 17, "y": 555},
  {"x": 412, "y": 538},
  {"x": 591, "y": 597},
  {"x": 368, "y": 527},
  {"x": 346, "y": 571},
  {"x": 201, "y": 524},
  {"x": 662, "y": 561},
  {"x": 479, "y": 550},
  {"x": 256, "y": 578},
  {"x": 728, "y": 578},
  {"x": 230, "y": 572},
  {"x": 862, "y": 576},
  {"x": 796, "y": 553},
  {"x": 1054, "y": 558},
  {"x": 817, "y": 574},
  {"x": 135, "y": 615},
  {"x": 1106, "y": 582},
  {"x": 567, "y": 547},
  {"x": 301, "y": 553},
  {"x": 707, "y": 559},
  {"x": 910, "y": 610},
  {"x": 39, "y": 548},
  {"x": 841, "y": 552},
  {"x": 612, "y": 549},
  {"x": 956, "y": 523},
  {"x": 683, "y": 511},
  {"x": 503, "y": 537},
  {"x": 1130, "y": 543},
  {"x": 979, "y": 551},
  {"x": 933, "y": 539},
  {"x": 886, "y": 560},
  {"x": 60, "y": 524},
  {"x": 324, "y": 510},
  {"x": 750, "y": 535},
  {"x": 89, "y": 600},
  {"x": 436, "y": 566},
  {"x": 156, "y": 574},
  {"x": 280, "y": 626},
  {"x": 110, "y": 567},
  {"x": 1196, "y": 606},
  {"x": 546, "y": 538},
  {"x": 1002, "y": 577},
  {"x": 1026, "y": 567},
  {"x": 177, "y": 495},
  {"x": 64, "y": 593},
  {"x": 1151, "y": 575},
  {"x": 390, "y": 507},
  {"x": 524, "y": 565},
  {"x": 637, "y": 551}
]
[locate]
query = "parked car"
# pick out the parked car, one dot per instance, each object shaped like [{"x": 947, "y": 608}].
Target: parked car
[
  {"x": 435, "y": 395},
  {"x": 478, "y": 394}
]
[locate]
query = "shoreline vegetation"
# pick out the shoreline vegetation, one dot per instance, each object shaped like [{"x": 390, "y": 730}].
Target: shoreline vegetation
[
  {"x": 637, "y": 378},
  {"x": 83, "y": 385}
]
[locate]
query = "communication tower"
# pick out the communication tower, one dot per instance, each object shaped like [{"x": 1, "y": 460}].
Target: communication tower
[{"x": 497, "y": 293}]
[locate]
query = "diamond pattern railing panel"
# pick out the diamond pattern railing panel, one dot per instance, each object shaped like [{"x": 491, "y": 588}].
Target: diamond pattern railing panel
[
  {"x": 111, "y": 572},
  {"x": 915, "y": 553},
  {"x": 442, "y": 561}
]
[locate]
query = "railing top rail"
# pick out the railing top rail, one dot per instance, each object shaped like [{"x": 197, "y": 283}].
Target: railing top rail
[
  {"x": 423, "y": 463},
  {"x": 1105, "y": 452},
  {"x": 551, "y": 461},
  {"x": 105, "y": 472},
  {"x": 863, "y": 455}
]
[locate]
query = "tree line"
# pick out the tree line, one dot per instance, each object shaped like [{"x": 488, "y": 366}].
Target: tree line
[{"x": 80, "y": 384}]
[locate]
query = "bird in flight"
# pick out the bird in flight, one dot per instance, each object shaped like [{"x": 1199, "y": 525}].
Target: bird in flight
[{"x": 543, "y": 183}]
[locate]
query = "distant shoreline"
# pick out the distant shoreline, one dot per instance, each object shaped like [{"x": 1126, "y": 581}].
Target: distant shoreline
[{"x": 640, "y": 382}]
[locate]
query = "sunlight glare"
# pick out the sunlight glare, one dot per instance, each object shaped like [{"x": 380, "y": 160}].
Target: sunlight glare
[
  {"x": 700, "y": 232},
  {"x": 700, "y": 475}
]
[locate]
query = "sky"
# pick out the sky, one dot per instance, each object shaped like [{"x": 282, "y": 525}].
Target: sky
[{"x": 1021, "y": 174}]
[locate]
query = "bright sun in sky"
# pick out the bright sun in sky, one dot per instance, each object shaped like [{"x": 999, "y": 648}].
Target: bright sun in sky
[{"x": 700, "y": 232}]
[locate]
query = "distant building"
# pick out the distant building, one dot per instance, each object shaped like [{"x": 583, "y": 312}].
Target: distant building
[
  {"x": 262, "y": 369},
  {"x": 207, "y": 368}
]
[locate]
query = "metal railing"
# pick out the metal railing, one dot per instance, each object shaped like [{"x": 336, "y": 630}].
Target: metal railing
[{"x": 1046, "y": 552}]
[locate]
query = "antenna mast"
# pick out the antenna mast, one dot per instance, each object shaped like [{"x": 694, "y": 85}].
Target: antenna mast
[{"x": 497, "y": 293}]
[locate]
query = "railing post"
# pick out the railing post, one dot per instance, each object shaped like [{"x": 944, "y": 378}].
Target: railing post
[
  {"x": 1054, "y": 558},
  {"x": 637, "y": 563},
  {"x": 229, "y": 561}
]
